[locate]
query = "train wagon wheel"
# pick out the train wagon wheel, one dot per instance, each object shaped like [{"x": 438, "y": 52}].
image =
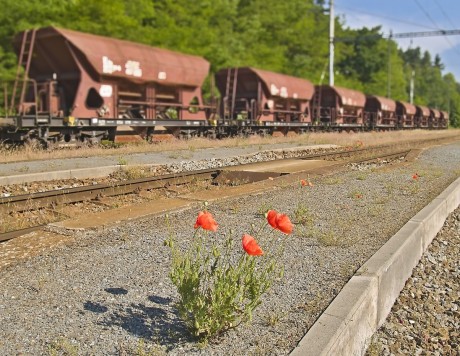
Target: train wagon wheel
[
  {"x": 37, "y": 144},
  {"x": 211, "y": 134}
]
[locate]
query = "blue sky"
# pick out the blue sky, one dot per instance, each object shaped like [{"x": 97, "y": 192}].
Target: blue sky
[{"x": 401, "y": 16}]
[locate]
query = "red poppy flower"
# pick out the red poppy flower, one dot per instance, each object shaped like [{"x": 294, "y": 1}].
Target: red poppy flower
[
  {"x": 306, "y": 183},
  {"x": 283, "y": 223},
  {"x": 271, "y": 218},
  {"x": 279, "y": 221},
  {"x": 250, "y": 246},
  {"x": 206, "y": 221},
  {"x": 415, "y": 176}
]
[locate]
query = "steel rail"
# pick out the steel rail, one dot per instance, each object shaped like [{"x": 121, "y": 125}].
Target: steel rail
[
  {"x": 383, "y": 156},
  {"x": 16, "y": 233},
  {"x": 35, "y": 201}
]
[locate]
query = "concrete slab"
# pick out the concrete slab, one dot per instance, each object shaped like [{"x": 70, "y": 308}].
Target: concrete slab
[
  {"x": 114, "y": 216},
  {"x": 229, "y": 192},
  {"x": 89, "y": 167},
  {"x": 350, "y": 314},
  {"x": 363, "y": 304},
  {"x": 282, "y": 166},
  {"x": 392, "y": 265},
  {"x": 80, "y": 173},
  {"x": 431, "y": 218},
  {"x": 451, "y": 195}
]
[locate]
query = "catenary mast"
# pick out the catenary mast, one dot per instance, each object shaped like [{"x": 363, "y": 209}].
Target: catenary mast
[{"x": 331, "y": 42}]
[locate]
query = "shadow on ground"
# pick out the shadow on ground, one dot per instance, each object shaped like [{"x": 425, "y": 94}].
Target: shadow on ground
[{"x": 158, "y": 323}]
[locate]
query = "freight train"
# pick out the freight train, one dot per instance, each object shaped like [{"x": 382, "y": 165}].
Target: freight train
[{"x": 74, "y": 87}]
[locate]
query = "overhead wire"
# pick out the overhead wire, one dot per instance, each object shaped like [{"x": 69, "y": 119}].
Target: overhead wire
[
  {"x": 436, "y": 27},
  {"x": 444, "y": 13},
  {"x": 386, "y": 17},
  {"x": 427, "y": 14},
  {"x": 435, "y": 24}
]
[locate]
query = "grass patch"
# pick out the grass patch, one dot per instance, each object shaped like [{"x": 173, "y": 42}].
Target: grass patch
[
  {"x": 333, "y": 181},
  {"x": 181, "y": 154},
  {"x": 264, "y": 208},
  {"x": 135, "y": 172},
  {"x": 374, "y": 349},
  {"x": 361, "y": 176},
  {"x": 413, "y": 188},
  {"x": 355, "y": 194},
  {"x": 303, "y": 216},
  {"x": 62, "y": 346},
  {"x": 122, "y": 161},
  {"x": 273, "y": 318},
  {"x": 375, "y": 210},
  {"x": 328, "y": 238}
]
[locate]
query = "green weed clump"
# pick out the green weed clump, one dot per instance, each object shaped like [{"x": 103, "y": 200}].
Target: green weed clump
[
  {"x": 303, "y": 216},
  {"x": 220, "y": 285}
]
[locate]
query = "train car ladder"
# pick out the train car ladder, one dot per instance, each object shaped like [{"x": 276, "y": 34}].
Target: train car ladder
[
  {"x": 25, "y": 57},
  {"x": 230, "y": 90},
  {"x": 316, "y": 107}
]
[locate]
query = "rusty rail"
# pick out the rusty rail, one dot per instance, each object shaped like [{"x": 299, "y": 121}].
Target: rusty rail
[
  {"x": 16, "y": 233},
  {"x": 85, "y": 193}
]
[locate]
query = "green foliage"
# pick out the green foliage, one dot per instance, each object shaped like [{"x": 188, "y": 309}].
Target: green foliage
[
  {"x": 214, "y": 294},
  {"x": 431, "y": 87},
  {"x": 114, "y": 18},
  {"x": 289, "y": 37},
  {"x": 362, "y": 57}
]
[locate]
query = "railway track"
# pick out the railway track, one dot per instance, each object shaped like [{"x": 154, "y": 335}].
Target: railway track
[{"x": 52, "y": 200}]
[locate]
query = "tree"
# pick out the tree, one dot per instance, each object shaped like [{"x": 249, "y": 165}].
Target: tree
[
  {"x": 121, "y": 19},
  {"x": 289, "y": 37}
]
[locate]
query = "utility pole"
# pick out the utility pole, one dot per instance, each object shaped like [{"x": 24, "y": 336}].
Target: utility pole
[
  {"x": 411, "y": 92},
  {"x": 389, "y": 66},
  {"x": 331, "y": 42}
]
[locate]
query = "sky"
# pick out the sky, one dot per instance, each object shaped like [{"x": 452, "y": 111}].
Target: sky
[{"x": 402, "y": 16}]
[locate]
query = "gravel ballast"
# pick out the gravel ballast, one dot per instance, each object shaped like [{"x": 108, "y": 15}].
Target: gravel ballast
[{"x": 109, "y": 292}]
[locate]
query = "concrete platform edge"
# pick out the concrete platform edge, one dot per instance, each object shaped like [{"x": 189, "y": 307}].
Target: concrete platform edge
[
  {"x": 103, "y": 171},
  {"x": 78, "y": 173},
  {"x": 361, "y": 307}
]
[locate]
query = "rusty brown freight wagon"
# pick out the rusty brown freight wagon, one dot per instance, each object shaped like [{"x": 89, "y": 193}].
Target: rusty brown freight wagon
[
  {"x": 262, "y": 101},
  {"x": 339, "y": 108},
  {"x": 405, "y": 113},
  {"x": 83, "y": 81},
  {"x": 380, "y": 113},
  {"x": 434, "y": 119},
  {"x": 444, "y": 121},
  {"x": 422, "y": 117}
]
